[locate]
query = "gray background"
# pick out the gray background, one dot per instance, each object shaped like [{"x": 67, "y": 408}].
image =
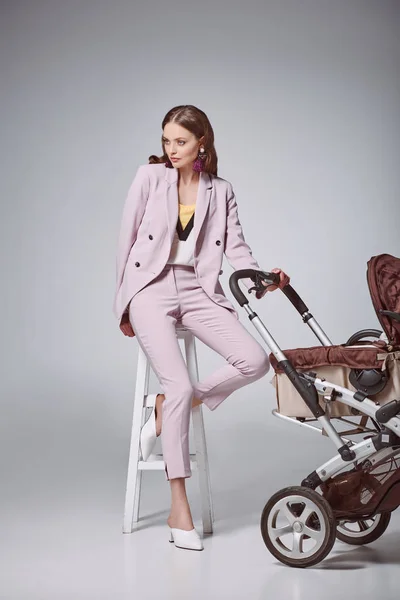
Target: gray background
[{"x": 304, "y": 100}]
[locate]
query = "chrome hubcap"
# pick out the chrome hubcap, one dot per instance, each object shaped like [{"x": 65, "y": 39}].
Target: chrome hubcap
[{"x": 296, "y": 535}]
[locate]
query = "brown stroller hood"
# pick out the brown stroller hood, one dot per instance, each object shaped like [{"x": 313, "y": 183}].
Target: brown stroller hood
[{"x": 383, "y": 276}]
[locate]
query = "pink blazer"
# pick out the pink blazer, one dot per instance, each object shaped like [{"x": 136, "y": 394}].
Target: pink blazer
[{"x": 148, "y": 223}]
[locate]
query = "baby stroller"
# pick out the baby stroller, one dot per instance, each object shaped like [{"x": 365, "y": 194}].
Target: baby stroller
[{"x": 351, "y": 394}]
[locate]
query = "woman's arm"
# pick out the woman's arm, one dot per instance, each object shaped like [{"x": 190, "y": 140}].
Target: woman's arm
[
  {"x": 237, "y": 251},
  {"x": 132, "y": 215}
]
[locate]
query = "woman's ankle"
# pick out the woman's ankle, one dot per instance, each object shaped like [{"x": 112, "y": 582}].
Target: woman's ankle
[
  {"x": 180, "y": 520},
  {"x": 159, "y": 400}
]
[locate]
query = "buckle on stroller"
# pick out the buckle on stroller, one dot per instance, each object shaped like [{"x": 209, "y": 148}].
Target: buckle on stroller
[
  {"x": 347, "y": 453},
  {"x": 329, "y": 394},
  {"x": 387, "y": 411},
  {"x": 385, "y": 439}
]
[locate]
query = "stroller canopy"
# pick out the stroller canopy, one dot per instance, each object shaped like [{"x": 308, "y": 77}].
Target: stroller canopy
[{"x": 383, "y": 276}]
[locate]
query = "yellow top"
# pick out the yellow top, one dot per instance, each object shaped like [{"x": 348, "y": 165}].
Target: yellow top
[{"x": 185, "y": 213}]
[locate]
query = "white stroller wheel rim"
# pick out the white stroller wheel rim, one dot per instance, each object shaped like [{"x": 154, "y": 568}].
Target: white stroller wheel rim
[
  {"x": 359, "y": 528},
  {"x": 365, "y": 526},
  {"x": 296, "y": 528},
  {"x": 362, "y": 531}
]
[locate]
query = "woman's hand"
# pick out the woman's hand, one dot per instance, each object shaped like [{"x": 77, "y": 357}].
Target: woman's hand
[
  {"x": 125, "y": 326},
  {"x": 284, "y": 280}
]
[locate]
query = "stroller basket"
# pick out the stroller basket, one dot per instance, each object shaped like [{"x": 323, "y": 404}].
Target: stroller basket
[
  {"x": 362, "y": 492},
  {"x": 338, "y": 365}
]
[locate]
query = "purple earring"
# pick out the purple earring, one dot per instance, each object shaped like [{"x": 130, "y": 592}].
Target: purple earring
[
  {"x": 168, "y": 164},
  {"x": 198, "y": 164}
]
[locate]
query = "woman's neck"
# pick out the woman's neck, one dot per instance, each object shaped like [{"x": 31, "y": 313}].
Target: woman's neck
[{"x": 187, "y": 176}]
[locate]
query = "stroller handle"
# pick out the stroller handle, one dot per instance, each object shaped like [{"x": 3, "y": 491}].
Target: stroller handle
[{"x": 258, "y": 277}]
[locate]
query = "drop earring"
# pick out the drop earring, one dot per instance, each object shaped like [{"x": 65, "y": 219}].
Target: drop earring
[
  {"x": 198, "y": 164},
  {"x": 168, "y": 164}
]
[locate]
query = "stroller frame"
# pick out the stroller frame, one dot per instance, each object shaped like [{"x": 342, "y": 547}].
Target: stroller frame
[
  {"x": 361, "y": 482},
  {"x": 359, "y": 451}
]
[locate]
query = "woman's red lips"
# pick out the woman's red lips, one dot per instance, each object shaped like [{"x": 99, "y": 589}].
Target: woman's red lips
[{"x": 175, "y": 158}]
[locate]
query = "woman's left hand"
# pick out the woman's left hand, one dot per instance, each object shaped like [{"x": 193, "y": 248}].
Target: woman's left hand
[{"x": 284, "y": 280}]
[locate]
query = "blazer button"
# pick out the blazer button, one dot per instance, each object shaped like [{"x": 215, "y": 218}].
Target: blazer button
[
  {"x": 137, "y": 264},
  {"x": 218, "y": 242},
  {"x": 221, "y": 272},
  {"x": 150, "y": 237}
]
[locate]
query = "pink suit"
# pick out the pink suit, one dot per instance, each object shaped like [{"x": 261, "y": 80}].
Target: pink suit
[{"x": 158, "y": 295}]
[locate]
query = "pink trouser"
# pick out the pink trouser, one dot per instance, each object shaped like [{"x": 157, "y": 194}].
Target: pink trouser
[{"x": 176, "y": 296}]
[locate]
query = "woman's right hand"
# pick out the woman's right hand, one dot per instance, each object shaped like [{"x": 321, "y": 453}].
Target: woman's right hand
[{"x": 125, "y": 326}]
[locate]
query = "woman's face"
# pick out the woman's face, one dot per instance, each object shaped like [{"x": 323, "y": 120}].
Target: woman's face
[{"x": 181, "y": 146}]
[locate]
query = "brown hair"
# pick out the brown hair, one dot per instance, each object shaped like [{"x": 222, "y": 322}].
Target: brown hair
[{"x": 196, "y": 121}]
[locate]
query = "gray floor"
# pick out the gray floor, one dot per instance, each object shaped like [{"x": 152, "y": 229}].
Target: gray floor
[
  {"x": 62, "y": 532},
  {"x": 84, "y": 555}
]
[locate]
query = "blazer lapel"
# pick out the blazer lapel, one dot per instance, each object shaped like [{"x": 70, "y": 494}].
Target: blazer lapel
[{"x": 202, "y": 202}]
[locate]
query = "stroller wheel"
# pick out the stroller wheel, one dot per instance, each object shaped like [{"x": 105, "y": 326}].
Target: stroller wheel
[
  {"x": 298, "y": 526},
  {"x": 363, "y": 531}
]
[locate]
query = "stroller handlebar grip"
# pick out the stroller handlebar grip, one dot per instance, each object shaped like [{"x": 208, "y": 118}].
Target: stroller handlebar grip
[
  {"x": 254, "y": 275},
  {"x": 258, "y": 277},
  {"x": 295, "y": 299}
]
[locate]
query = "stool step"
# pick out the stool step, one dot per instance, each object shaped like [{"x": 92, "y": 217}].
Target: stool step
[
  {"x": 156, "y": 462},
  {"x": 149, "y": 400}
]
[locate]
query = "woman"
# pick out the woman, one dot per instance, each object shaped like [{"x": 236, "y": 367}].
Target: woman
[{"x": 178, "y": 220}]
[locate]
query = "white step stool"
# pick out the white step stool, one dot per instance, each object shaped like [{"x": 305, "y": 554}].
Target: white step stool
[{"x": 198, "y": 461}]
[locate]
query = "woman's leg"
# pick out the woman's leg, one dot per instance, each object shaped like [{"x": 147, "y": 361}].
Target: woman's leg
[
  {"x": 153, "y": 317},
  {"x": 225, "y": 380},
  {"x": 218, "y": 328},
  {"x": 247, "y": 361},
  {"x": 155, "y": 332}
]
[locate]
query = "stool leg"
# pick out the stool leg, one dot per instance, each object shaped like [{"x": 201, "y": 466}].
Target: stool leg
[
  {"x": 138, "y": 489},
  {"x": 134, "y": 477},
  {"x": 207, "y": 510}
]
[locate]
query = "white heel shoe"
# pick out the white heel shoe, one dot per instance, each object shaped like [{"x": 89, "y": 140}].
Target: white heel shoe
[
  {"x": 189, "y": 540},
  {"x": 148, "y": 435}
]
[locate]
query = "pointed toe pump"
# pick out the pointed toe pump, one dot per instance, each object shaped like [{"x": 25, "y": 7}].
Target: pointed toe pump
[
  {"x": 148, "y": 436},
  {"x": 188, "y": 540}
]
